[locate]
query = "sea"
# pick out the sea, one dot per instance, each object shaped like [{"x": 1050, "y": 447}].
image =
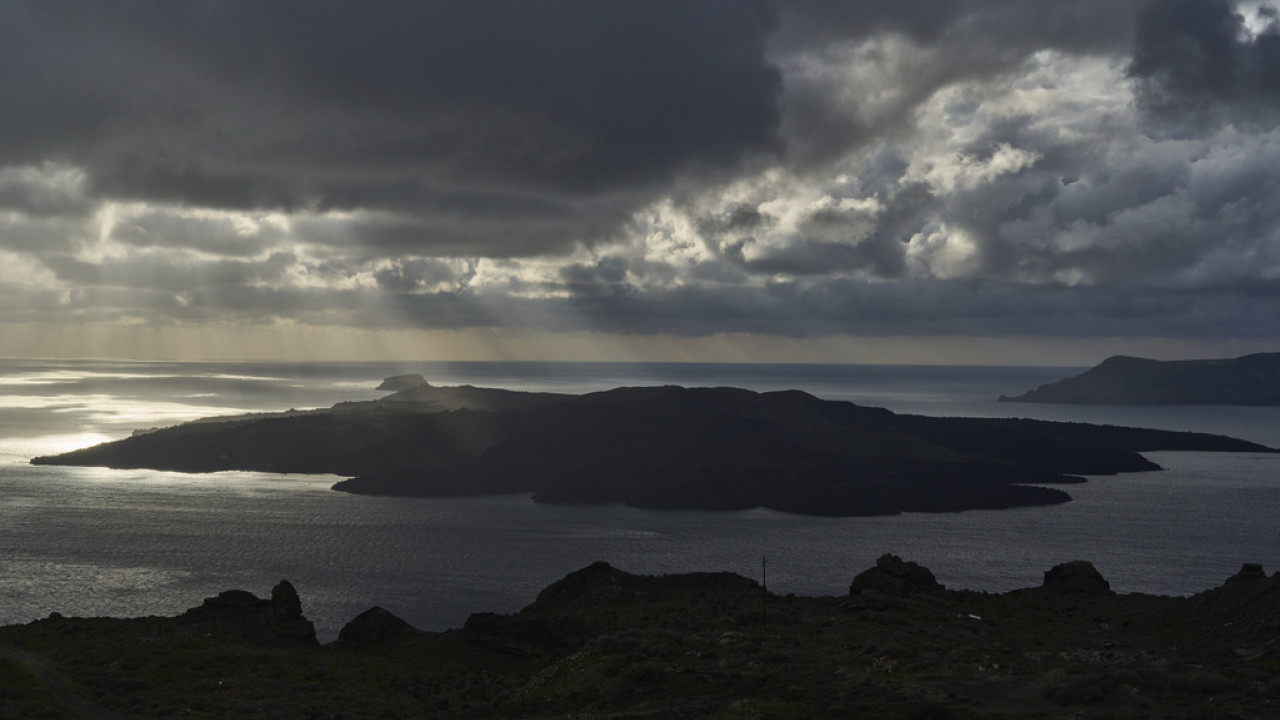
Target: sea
[{"x": 129, "y": 543}]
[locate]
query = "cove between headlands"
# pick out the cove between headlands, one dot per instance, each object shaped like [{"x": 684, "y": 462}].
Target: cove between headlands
[{"x": 658, "y": 447}]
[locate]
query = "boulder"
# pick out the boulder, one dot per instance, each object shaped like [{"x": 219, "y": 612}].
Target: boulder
[
  {"x": 285, "y": 603},
  {"x": 286, "y": 617},
  {"x": 244, "y": 614},
  {"x": 1076, "y": 577},
  {"x": 373, "y": 627},
  {"x": 896, "y": 577}
]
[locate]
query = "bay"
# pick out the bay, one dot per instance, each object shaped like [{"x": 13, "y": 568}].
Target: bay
[{"x": 88, "y": 541}]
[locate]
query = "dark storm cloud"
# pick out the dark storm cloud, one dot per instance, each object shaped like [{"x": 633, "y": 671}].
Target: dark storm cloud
[
  {"x": 951, "y": 308},
  {"x": 1197, "y": 63},
  {"x": 422, "y": 274},
  {"x": 1111, "y": 209},
  {"x": 336, "y": 104},
  {"x": 216, "y": 235},
  {"x": 164, "y": 274},
  {"x": 1081, "y": 25},
  {"x": 49, "y": 190},
  {"x": 740, "y": 218},
  {"x": 802, "y": 168},
  {"x": 835, "y": 241},
  {"x": 20, "y": 234},
  {"x": 964, "y": 39},
  {"x": 954, "y": 308},
  {"x": 461, "y": 232}
]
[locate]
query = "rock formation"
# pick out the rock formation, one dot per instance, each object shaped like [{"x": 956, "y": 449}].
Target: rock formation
[
  {"x": 1121, "y": 380},
  {"x": 398, "y": 383},
  {"x": 602, "y": 642},
  {"x": 893, "y": 576},
  {"x": 1249, "y": 572},
  {"x": 1078, "y": 577},
  {"x": 247, "y": 615},
  {"x": 374, "y": 627}
]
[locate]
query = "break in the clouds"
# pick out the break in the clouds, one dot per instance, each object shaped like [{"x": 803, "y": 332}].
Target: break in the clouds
[{"x": 799, "y": 168}]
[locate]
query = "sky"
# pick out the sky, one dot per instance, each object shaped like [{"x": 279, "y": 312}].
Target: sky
[{"x": 908, "y": 181}]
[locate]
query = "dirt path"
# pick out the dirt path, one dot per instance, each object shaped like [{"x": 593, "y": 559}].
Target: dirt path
[{"x": 62, "y": 693}]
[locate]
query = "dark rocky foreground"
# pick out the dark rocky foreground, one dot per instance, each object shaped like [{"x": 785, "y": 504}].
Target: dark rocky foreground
[
  {"x": 603, "y": 643},
  {"x": 658, "y": 447},
  {"x": 1121, "y": 380}
]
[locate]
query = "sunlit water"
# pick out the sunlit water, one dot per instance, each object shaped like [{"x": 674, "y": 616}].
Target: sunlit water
[{"x": 86, "y": 541}]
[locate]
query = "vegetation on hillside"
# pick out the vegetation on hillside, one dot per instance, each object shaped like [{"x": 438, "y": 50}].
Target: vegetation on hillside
[{"x": 602, "y": 643}]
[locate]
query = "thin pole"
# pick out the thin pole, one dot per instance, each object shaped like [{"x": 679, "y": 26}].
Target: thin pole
[{"x": 764, "y": 591}]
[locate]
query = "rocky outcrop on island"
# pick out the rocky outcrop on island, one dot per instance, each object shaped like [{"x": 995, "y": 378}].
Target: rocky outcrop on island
[
  {"x": 660, "y": 447},
  {"x": 605, "y": 643},
  {"x": 1121, "y": 380},
  {"x": 276, "y": 618},
  {"x": 397, "y": 383},
  {"x": 1077, "y": 576},
  {"x": 894, "y": 576},
  {"x": 375, "y": 627}
]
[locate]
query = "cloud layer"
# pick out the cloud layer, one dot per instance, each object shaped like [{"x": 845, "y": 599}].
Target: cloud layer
[{"x": 800, "y": 168}]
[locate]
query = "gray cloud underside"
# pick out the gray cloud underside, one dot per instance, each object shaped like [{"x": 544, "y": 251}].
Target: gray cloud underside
[
  {"x": 1197, "y": 63},
  {"x": 804, "y": 167},
  {"x": 846, "y": 308},
  {"x": 333, "y": 104}
]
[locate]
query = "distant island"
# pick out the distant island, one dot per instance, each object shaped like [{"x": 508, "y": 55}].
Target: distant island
[
  {"x": 657, "y": 447},
  {"x": 604, "y": 643},
  {"x": 1121, "y": 380}
]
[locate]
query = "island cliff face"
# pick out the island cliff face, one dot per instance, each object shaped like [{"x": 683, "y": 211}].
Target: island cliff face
[
  {"x": 659, "y": 447},
  {"x": 1121, "y": 380}
]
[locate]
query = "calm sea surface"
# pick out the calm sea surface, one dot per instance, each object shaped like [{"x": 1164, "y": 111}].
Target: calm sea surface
[{"x": 88, "y": 541}]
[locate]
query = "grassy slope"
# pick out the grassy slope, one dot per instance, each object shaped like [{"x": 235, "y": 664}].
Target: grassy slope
[{"x": 603, "y": 643}]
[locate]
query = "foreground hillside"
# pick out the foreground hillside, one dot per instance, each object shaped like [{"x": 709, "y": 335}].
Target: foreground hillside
[
  {"x": 659, "y": 447},
  {"x": 1120, "y": 380},
  {"x": 602, "y": 643}
]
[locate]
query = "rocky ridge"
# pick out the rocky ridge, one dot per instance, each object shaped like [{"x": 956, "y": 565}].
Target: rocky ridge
[
  {"x": 609, "y": 644},
  {"x": 659, "y": 447},
  {"x": 1121, "y": 380}
]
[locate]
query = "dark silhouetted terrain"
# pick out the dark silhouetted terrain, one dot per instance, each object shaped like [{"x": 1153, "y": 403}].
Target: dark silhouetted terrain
[
  {"x": 659, "y": 447},
  {"x": 1120, "y": 380},
  {"x": 603, "y": 643}
]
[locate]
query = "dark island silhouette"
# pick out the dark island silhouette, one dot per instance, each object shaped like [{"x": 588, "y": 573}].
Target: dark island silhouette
[
  {"x": 1122, "y": 380},
  {"x": 605, "y": 643},
  {"x": 658, "y": 447}
]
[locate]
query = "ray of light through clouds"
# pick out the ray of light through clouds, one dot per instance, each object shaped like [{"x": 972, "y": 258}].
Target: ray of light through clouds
[{"x": 909, "y": 181}]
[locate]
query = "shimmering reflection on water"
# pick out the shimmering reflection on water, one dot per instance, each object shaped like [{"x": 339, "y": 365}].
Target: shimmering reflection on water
[{"x": 92, "y": 542}]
